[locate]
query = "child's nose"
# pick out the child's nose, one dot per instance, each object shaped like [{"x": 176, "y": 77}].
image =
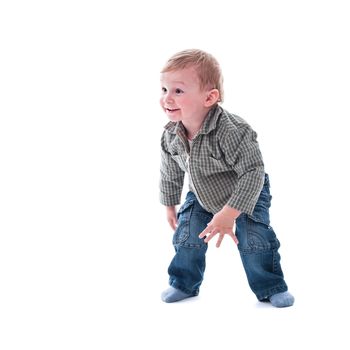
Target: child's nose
[{"x": 168, "y": 98}]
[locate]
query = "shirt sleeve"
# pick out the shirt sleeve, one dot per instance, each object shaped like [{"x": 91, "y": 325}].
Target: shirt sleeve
[
  {"x": 171, "y": 178},
  {"x": 243, "y": 154}
]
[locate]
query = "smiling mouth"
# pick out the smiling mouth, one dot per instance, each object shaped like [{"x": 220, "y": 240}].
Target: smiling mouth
[{"x": 172, "y": 109}]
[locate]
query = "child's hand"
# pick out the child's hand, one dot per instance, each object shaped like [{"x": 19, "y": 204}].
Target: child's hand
[
  {"x": 222, "y": 223},
  {"x": 171, "y": 217}
]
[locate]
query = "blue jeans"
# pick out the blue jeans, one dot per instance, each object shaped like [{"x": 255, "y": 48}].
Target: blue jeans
[{"x": 258, "y": 247}]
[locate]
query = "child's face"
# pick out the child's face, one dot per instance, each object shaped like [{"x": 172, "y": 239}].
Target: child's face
[{"x": 182, "y": 98}]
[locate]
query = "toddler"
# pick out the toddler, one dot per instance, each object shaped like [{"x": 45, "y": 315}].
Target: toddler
[{"x": 227, "y": 183}]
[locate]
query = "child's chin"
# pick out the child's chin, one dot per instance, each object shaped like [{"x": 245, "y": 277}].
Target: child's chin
[{"x": 173, "y": 118}]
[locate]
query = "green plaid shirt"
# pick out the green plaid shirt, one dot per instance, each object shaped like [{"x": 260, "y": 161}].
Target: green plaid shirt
[{"x": 224, "y": 163}]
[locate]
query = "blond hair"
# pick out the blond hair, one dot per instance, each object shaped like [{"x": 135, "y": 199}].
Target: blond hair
[{"x": 207, "y": 68}]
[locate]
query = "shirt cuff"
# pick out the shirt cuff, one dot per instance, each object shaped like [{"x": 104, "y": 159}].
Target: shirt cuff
[{"x": 168, "y": 200}]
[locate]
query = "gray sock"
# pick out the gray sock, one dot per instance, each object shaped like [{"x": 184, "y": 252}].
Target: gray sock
[
  {"x": 282, "y": 299},
  {"x": 172, "y": 294}
]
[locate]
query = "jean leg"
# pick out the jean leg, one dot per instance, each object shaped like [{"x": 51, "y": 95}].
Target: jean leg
[
  {"x": 187, "y": 268},
  {"x": 258, "y": 247}
]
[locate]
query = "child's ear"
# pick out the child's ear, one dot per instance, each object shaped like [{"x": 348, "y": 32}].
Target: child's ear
[{"x": 212, "y": 97}]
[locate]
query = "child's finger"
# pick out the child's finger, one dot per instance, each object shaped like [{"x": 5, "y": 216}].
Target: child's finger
[
  {"x": 205, "y": 232},
  {"x": 172, "y": 223},
  {"x": 221, "y": 237},
  {"x": 234, "y": 237},
  {"x": 211, "y": 234}
]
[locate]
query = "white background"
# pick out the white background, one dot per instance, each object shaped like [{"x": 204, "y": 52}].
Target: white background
[{"x": 84, "y": 242}]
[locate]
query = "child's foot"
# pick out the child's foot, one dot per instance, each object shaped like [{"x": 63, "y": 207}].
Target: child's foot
[
  {"x": 172, "y": 294},
  {"x": 282, "y": 299}
]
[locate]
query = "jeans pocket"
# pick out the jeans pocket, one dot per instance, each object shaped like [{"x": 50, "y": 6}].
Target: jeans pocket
[
  {"x": 182, "y": 231},
  {"x": 260, "y": 235}
]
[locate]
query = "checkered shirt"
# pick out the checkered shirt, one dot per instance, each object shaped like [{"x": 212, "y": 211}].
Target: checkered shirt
[{"x": 224, "y": 163}]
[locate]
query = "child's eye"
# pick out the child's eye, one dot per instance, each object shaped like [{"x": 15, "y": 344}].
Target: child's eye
[
  {"x": 164, "y": 89},
  {"x": 178, "y": 91}
]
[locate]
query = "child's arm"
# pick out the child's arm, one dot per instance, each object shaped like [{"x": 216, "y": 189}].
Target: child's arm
[
  {"x": 171, "y": 178},
  {"x": 222, "y": 223},
  {"x": 242, "y": 152}
]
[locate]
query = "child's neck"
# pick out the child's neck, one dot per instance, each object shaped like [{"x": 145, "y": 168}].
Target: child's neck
[
  {"x": 193, "y": 126},
  {"x": 191, "y": 135}
]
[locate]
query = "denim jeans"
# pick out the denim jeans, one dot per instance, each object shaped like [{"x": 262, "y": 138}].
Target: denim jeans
[{"x": 258, "y": 247}]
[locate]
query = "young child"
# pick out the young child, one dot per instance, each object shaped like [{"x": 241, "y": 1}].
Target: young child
[{"x": 228, "y": 185}]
